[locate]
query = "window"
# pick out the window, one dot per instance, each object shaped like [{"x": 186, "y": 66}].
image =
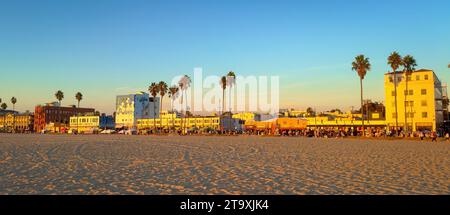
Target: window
[
  {"x": 426, "y": 77},
  {"x": 394, "y": 115},
  {"x": 390, "y": 79},
  {"x": 423, "y": 103},
  {"x": 411, "y": 92},
  {"x": 411, "y": 103},
  {"x": 423, "y": 91},
  {"x": 408, "y": 78},
  {"x": 424, "y": 114},
  {"x": 417, "y": 77},
  {"x": 393, "y": 93}
]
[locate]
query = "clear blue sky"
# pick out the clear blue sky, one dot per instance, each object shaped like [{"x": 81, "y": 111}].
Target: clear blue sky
[{"x": 106, "y": 47}]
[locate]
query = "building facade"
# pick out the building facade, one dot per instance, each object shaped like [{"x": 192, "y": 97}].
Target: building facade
[
  {"x": 246, "y": 116},
  {"x": 91, "y": 123},
  {"x": 422, "y": 108},
  {"x": 56, "y": 115},
  {"x": 18, "y": 122},
  {"x": 211, "y": 122},
  {"x": 130, "y": 108}
]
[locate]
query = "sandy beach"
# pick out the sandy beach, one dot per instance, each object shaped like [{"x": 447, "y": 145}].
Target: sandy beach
[{"x": 116, "y": 164}]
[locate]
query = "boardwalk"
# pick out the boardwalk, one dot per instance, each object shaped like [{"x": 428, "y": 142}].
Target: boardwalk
[{"x": 115, "y": 164}]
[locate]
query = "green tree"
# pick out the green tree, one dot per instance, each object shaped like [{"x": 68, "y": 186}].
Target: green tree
[
  {"x": 4, "y": 106},
  {"x": 361, "y": 65},
  {"x": 13, "y": 102},
  {"x": 173, "y": 93},
  {"x": 163, "y": 88},
  {"x": 59, "y": 96},
  {"x": 223, "y": 83},
  {"x": 79, "y": 97},
  {"x": 154, "y": 90},
  {"x": 409, "y": 64},
  {"x": 395, "y": 61},
  {"x": 184, "y": 84},
  {"x": 231, "y": 81}
]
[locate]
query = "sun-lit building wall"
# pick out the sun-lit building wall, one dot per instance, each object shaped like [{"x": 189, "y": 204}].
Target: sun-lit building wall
[{"x": 423, "y": 104}]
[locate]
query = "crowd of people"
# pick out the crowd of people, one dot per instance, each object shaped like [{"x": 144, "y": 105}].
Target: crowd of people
[{"x": 353, "y": 132}]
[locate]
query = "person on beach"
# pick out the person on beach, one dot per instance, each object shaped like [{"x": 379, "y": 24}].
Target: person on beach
[
  {"x": 421, "y": 135},
  {"x": 433, "y": 136},
  {"x": 446, "y": 136}
]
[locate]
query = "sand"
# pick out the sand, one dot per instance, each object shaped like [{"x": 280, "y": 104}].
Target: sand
[{"x": 117, "y": 164}]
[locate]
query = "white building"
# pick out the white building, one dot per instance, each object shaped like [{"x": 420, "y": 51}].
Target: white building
[{"x": 130, "y": 108}]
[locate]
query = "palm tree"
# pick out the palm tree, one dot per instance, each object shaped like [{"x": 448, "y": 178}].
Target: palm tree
[
  {"x": 231, "y": 80},
  {"x": 361, "y": 65},
  {"x": 173, "y": 93},
  {"x": 223, "y": 83},
  {"x": 409, "y": 64},
  {"x": 4, "y": 106},
  {"x": 59, "y": 95},
  {"x": 395, "y": 60},
  {"x": 162, "y": 92},
  {"x": 154, "y": 90},
  {"x": 13, "y": 102},
  {"x": 184, "y": 84},
  {"x": 78, "y": 97},
  {"x": 310, "y": 111}
]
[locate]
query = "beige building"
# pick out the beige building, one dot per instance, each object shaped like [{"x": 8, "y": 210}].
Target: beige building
[
  {"x": 422, "y": 107},
  {"x": 19, "y": 122}
]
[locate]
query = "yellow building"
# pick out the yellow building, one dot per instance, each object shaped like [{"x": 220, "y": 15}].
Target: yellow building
[
  {"x": 20, "y": 122},
  {"x": 423, "y": 104},
  {"x": 246, "y": 116},
  {"x": 168, "y": 121},
  {"x": 343, "y": 122},
  {"x": 91, "y": 124}
]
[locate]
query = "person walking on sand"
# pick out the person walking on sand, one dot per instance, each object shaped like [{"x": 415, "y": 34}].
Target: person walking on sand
[
  {"x": 433, "y": 136},
  {"x": 421, "y": 135},
  {"x": 446, "y": 136}
]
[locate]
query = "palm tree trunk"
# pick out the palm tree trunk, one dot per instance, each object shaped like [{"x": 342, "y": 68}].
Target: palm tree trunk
[
  {"x": 14, "y": 117},
  {"x": 160, "y": 109},
  {"x": 229, "y": 98},
  {"x": 362, "y": 108},
  {"x": 406, "y": 94},
  {"x": 182, "y": 117},
  {"x": 395, "y": 101},
  {"x": 77, "y": 115},
  {"x": 154, "y": 114},
  {"x": 171, "y": 107},
  {"x": 223, "y": 101}
]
